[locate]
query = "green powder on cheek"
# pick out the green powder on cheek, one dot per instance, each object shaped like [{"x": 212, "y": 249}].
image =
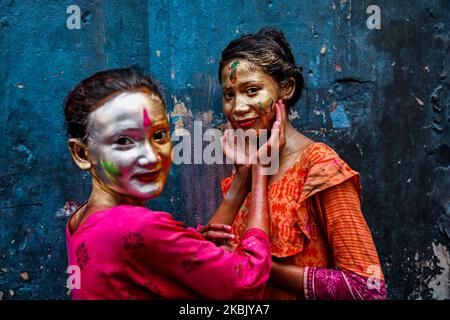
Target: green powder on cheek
[
  {"x": 111, "y": 168},
  {"x": 261, "y": 107},
  {"x": 270, "y": 104},
  {"x": 266, "y": 106}
]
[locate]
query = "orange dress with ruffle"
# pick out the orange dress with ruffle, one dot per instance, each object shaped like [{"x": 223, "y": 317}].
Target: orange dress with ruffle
[{"x": 304, "y": 230}]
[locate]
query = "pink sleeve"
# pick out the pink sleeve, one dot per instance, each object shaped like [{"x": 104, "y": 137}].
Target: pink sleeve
[
  {"x": 170, "y": 249},
  {"x": 329, "y": 284}
]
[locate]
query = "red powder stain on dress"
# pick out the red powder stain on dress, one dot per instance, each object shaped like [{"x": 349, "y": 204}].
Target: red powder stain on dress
[
  {"x": 133, "y": 240},
  {"x": 147, "y": 121},
  {"x": 82, "y": 255},
  {"x": 190, "y": 265}
]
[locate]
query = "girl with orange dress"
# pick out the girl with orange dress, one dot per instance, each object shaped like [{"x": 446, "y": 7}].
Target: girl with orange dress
[{"x": 321, "y": 245}]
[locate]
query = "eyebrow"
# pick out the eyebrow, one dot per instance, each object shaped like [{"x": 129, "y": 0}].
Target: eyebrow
[
  {"x": 244, "y": 83},
  {"x": 160, "y": 123},
  {"x": 116, "y": 131},
  {"x": 121, "y": 125}
]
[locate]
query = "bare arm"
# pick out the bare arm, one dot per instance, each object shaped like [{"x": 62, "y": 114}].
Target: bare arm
[
  {"x": 239, "y": 187},
  {"x": 233, "y": 200},
  {"x": 258, "y": 214},
  {"x": 288, "y": 277}
]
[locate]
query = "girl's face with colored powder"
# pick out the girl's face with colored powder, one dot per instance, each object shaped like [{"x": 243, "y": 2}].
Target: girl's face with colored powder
[
  {"x": 249, "y": 95},
  {"x": 129, "y": 145}
]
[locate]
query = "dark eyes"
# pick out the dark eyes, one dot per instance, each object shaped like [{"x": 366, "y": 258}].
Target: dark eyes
[
  {"x": 249, "y": 91},
  {"x": 160, "y": 135},
  {"x": 227, "y": 95},
  {"x": 124, "y": 141}
]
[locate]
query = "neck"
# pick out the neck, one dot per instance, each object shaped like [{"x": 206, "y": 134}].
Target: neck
[
  {"x": 103, "y": 198},
  {"x": 294, "y": 141}
]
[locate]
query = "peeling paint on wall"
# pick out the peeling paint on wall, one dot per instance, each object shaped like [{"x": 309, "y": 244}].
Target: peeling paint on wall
[
  {"x": 440, "y": 283},
  {"x": 293, "y": 114},
  {"x": 393, "y": 127},
  {"x": 339, "y": 117},
  {"x": 180, "y": 114},
  {"x": 69, "y": 208}
]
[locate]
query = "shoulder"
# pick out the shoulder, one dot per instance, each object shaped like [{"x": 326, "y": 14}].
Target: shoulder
[
  {"x": 324, "y": 169},
  {"x": 127, "y": 219},
  {"x": 143, "y": 217},
  {"x": 319, "y": 156},
  {"x": 130, "y": 213},
  {"x": 318, "y": 152}
]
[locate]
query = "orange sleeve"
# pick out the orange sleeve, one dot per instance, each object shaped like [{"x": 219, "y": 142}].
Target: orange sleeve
[{"x": 339, "y": 213}]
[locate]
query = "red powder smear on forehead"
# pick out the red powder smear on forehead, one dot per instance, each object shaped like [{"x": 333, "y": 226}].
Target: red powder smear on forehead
[
  {"x": 147, "y": 121},
  {"x": 233, "y": 70}
]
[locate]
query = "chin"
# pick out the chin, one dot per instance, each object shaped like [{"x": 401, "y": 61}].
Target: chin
[
  {"x": 151, "y": 193},
  {"x": 148, "y": 191},
  {"x": 151, "y": 196},
  {"x": 258, "y": 130},
  {"x": 146, "y": 196}
]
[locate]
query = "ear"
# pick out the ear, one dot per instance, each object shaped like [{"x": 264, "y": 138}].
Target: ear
[
  {"x": 288, "y": 88},
  {"x": 80, "y": 154}
]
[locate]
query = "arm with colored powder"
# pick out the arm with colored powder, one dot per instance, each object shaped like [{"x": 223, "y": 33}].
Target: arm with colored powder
[
  {"x": 258, "y": 214},
  {"x": 239, "y": 187},
  {"x": 219, "y": 228},
  {"x": 259, "y": 211},
  {"x": 358, "y": 274},
  {"x": 240, "y": 184},
  {"x": 234, "y": 197}
]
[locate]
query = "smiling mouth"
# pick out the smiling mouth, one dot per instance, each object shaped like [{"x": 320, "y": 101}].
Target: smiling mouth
[
  {"x": 147, "y": 177},
  {"x": 246, "y": 123}
]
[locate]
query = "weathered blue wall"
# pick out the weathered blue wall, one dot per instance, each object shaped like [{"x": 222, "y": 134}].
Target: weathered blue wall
[{"x": 379, "y": 97}]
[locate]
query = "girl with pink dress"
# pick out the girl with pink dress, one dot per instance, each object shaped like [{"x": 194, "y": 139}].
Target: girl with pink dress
[{"x": 119, "y": 133}]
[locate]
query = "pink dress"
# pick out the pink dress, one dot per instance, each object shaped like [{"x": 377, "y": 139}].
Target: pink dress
[{"x": 130, "y": 252}]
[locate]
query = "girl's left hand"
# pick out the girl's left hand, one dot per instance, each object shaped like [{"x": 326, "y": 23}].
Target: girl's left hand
[
  {"x": 276, "y": 141},
  {"x": 218, "y": 233},
  {"x": 281, "y": 116}
]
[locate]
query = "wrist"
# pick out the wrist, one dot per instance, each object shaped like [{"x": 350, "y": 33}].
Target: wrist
[
  {"x": 259, "y": 171},
  {"x": 242, "y": 175},
  {"x": 242, "y": 180}
]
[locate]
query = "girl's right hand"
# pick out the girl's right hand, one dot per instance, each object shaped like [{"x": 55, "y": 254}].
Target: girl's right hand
[
  {"x": 281, "y": 117},
  {"x": 218, "y": 233},
  {"x": 274, "y": 144}
]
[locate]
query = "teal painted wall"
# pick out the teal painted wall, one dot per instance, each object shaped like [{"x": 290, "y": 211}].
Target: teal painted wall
[{"x": 379, "y": 97}]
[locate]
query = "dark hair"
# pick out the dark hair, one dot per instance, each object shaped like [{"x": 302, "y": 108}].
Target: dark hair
[
  {"x": 269, "y": 50},
  {"x": 92, "y": 92}
]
